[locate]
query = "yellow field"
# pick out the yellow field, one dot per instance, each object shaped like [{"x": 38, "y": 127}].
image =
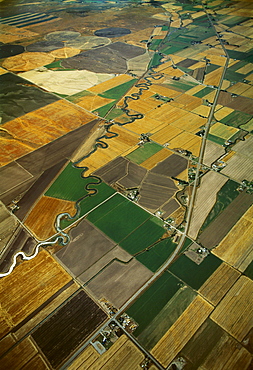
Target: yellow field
[
  {"x": 213, "y": 78},
  {"x": 190, "y": 122},
  {"x": 228, "y": 313},
  {"x": 85, "y": 359},
  {"x": 40, "y": 272},
  {"x": 236, "y": 247},
  {"x": 215, "y": 59},
  {"x": 187, "y": 102},
  {"x": 181, "y": 331},
  {"x": 194, "y": 145},
  {"x": 123, "y": 355},
  {"x": 6, "y": 343},
  {"x": 238, "y": 88},
  {"x": 44, "y": 312},
  {"x": 223, "y": 131},
  {"x": 166, "y": 134},
  {"x": 227, "y": 355},
  {"x": 164, "y": 91},
  {"x": 156, "y": 158},
  {"x": 184, "y": 140},
  {"x": 92, "y": 102},
  {"x": 219, "y": 283},
  {"x": 203, "y": 110},
  {"x": 170, "y": 71},
  {"x": 196, "y": 88},
  {"x": 145, "y": 125},
  {"x": 37, "y": 363},
  {"x": 246, "y": 69},
  {"x": 248, "y": 93},
  {"x": 167, "y": 113},
  {"x": 41, "y": 219},
  {"x": 119, "y": 145},
  {"x": 210, "y": 97},
  {"x": 107, "y": 85},
  {"x": 222, "y": 113},
  {"x": 143, "y": 106},
  {"x": 19, "y": 355},
  {"x": 2, "y": 71}
]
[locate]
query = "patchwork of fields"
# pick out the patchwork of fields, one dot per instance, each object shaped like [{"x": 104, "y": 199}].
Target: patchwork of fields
[{"x": 126, "y": 192}]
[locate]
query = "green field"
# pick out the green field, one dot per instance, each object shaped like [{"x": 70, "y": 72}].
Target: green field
[
  {"x": 203, "y": 92},
  {"x": 152, "y": 301},
  {"x": 118, "y": 222},
  {"x": 249, "y": 271},
  {"x": 70, "y": 185},
  {"x": 192, "y": 274},
  {"x": 181, "y": 85},
  {"x": 236, "y": 119},
  {"x": 233, "y": 76},
  {"x": 106, "y": 207},
  {"x": 216, "y": 139},
  {"x": 157, "y": 255},
  {"x": 155, "y": 61},
  {"x": 102, "y": 111},
  {"x": 144, "y": 152},
  {"x": 76, "y": 97},
  {"x": 144, "y": 236},
  {"x": 118, "y": 91},
  {"x": 166, "y": 317},
  {"x": 224, "y": 197},
  {"x": 86, "y": 205},
  {"x": 248, "y": 126}
]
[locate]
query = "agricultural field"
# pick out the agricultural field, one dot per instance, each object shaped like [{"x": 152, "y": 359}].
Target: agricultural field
[
  {"x": 183, "y": 329},
  {"x": 223, "y": 278},
  {"x": 192, "y": 274},
  {"x": 166, "y": 317},
  {"x": 125, "y": 192},
  {"x": 218, "y": 229},
  {"x": 23, "y": 302},
  {"x": 20, "y": 139},
  {"x": 118, "y": 216},
  {"x": 117, "y": 355},
  {"x": 118, "y": 281},
  {"x": 226, "y": 194},
  {"x": 86, "y": 247},
  {"x": 153, "y": 300},
  {"x": 233, "y": 302},
  {"x": 211, "y": 183},
  {"x": 228, "y": 353},
  {"x": 154, "y": 256},
  {"x": 239, "y": 167},
  {"x": 236, "y": 247},
  {"x": 80, "y": 323}
]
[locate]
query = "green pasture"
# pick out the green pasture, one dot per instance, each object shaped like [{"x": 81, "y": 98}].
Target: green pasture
[
  {"x": 249, "y": 271},
  {"x": 192, "y": 274},
  {"x": 166, "y": 317},
  {"x": 120, "y": 221},
  {"x": 118, "y": 91},
  {"x": 152, "y": 301},
  {"x": 236, "y": 119},
  {"x": 142, "y": 237},
  {"x": 155, "y": 257},
  {"x": 70, "y": 184},
  {"x": 144, "y": 152}
]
